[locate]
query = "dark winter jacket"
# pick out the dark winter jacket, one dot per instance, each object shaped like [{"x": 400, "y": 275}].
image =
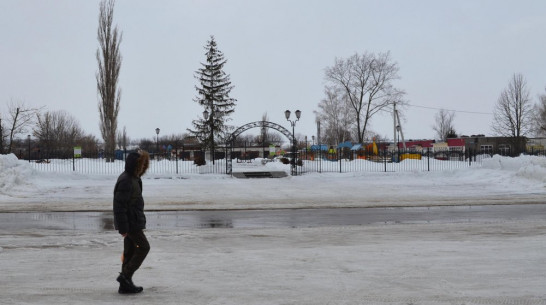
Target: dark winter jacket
[{"x": 128, "y": 202}]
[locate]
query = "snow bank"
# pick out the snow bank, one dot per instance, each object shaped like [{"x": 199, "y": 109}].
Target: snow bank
[
  {"x": 530, "y": 167},
  {"x": 14, "y": 173},
  {"x": 499, "y": 180}
]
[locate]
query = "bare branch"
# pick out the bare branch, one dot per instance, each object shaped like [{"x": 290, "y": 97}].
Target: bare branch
[{"x": 20, "y": 119}]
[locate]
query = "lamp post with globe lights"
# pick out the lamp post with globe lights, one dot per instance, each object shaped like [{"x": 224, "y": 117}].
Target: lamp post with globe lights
[{"x": 293, "y": 123}]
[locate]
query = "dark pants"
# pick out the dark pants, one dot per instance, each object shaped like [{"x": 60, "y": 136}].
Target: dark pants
[{"x": 135, "y": 249}]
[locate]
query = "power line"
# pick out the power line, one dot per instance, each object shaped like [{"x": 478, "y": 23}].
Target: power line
[
  {"x": 436, "y": 108},
  {"x": 463, "y": 111}
]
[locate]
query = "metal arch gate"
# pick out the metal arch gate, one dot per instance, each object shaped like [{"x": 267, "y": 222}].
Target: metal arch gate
[{"x": 238, "y": 131}]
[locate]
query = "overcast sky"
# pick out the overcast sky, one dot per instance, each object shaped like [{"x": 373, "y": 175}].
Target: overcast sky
[{"x": 455, "y": 55}]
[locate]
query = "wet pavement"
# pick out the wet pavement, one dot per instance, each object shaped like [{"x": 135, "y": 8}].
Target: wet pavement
[{"x": 293, "y": 218}]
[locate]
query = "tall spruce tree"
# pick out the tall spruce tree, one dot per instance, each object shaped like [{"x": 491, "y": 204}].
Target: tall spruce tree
[{"x": 213, "y": 94}]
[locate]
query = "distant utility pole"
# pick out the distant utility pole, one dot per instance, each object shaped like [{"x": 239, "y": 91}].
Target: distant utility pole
[{"x": 397, "y": 126}]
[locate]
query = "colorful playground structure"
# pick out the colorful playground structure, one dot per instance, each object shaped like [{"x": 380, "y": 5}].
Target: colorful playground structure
[{"x": 384, "y": 151}]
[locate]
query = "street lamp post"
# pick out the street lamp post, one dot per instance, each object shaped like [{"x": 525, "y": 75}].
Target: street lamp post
[
  {"x": 157, "y": 142},
  {"x": 28, "y": 137},
  {"x": 306, "y": 147},
  {"x": 293, "y": 123},
  {"x": 263, "y": 141},
  {"x": 312, "y": 151},
  {"x": 206, "y": 117}
]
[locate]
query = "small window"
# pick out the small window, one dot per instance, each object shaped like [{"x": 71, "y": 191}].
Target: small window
[
  {"x": 486, "y": 149},
  {"x": 504, "y": 150}
]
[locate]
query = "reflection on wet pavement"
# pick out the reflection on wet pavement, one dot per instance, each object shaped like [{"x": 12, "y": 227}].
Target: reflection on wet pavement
[{"x": 298, "y": 218}]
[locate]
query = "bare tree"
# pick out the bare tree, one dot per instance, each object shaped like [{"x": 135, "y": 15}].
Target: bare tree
[
  {"x": 19, "y": 120},
  {"x": 540, "y": 116},
  {"x": 367, "y": 82},
  {"x": 335, "y": 113},
  {"x": 175, "y": 139},
  {"x": 265, "y": 134},
  {"x": 274, "y": 137},
  {"x": 123, "y": 139},
  {"x": 244, "y": 140},
  {"x": 44, "y": 131},
  {"x": 444, "y": 124},
  {"x": 109, "y": 61},
  {"x": 57, "y": 132},
  {"x": 264, "y": 129},
  {"x": 2, "y": 136},
  {"x": 512, "y": 116},
  {"x": 89, "y": 145}
]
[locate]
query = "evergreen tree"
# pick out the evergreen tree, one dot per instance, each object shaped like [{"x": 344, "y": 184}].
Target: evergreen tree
[{"x": 213, "y": 94}]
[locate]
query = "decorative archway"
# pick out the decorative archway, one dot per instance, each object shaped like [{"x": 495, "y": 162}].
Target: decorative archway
[{"x": 258, "y": 124}]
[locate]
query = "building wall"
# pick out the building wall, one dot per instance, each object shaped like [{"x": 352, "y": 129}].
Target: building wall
[{"x": 496, "y": 145}]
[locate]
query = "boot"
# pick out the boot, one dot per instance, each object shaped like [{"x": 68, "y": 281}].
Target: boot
[
  {"x": 126, "y": 285},
  {"x": 139, "y": 288}
]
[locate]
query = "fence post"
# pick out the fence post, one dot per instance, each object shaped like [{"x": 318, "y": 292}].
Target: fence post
[
  {"x": 320, "y": 158},
  {"x": 339, "y": 158},
  {"x": 73, "y": 163},
  {"x": 428, "y": 159},
  {"x": 385, "y": 159}
]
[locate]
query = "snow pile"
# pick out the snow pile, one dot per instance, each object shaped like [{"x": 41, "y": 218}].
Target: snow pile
[
  {"x": 13, "y": 172},
  {"x": 530, "y": 167}
]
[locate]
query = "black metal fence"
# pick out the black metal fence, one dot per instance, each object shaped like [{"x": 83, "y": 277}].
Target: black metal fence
[
  {"x": 307, "y": 161},
  {"x": 160, "y": 164},
  {"x": 400, "y": 160}
]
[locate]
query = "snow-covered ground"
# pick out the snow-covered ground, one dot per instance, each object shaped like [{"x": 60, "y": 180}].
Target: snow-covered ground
[
  {"x": 499, "y": 180},
  {"x": 457, "y": 263}
]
